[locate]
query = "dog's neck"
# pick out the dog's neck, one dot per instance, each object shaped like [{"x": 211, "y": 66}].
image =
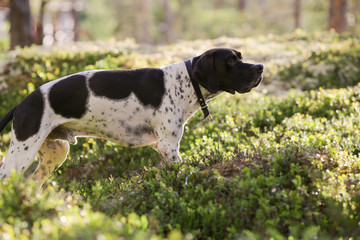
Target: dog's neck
[
  {"x": 178, "y": 82},
  {"x": 204, "y": 107},
  {"x": 206, "y": 94}
]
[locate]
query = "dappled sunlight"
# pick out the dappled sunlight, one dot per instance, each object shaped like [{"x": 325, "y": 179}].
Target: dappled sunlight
[{"x": 282, "y": 160}]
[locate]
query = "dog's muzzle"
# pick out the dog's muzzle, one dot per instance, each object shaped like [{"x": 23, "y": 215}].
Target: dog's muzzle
[{"x": 259, "y": 68}]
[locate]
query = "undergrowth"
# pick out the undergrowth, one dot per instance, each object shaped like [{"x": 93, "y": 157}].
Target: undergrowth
[{"x": 264, "y": 167}]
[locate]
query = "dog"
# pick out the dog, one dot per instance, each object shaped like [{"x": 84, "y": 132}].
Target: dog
[{"x": 133, "y": 108}]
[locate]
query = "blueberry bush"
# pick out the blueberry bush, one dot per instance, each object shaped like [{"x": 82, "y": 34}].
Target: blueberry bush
[{"x": 269, "y": 165}]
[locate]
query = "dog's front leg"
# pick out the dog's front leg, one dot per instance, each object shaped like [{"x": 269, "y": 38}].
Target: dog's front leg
[{"x": 168, "y": 143}]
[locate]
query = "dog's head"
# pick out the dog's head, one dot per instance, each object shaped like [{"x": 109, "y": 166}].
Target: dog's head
[{"x": 222, "y": 69}]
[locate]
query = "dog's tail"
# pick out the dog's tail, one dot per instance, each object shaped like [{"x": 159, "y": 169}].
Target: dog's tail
[{"x": 8, "y": 117}]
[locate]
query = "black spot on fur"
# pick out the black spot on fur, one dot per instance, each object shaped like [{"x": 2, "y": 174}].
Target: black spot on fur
[
  {"x": 171, "y": 100},
  {"x": 142, "y": 129},
  {"x": 28, "y": 115},
  {"x": 147, "y": 84},
  {"x": 139, "y": 130},
  {"x": 69, "y": 97}
]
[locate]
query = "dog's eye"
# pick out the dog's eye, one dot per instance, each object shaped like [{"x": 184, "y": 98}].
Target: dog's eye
[{"x": 232, "y": 60}]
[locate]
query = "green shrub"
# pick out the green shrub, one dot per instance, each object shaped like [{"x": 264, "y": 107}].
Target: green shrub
[
  {"x": 332, "y": 67},
  {"x": 264, "y": 167},
  {"x": 242, "y": 175},
  {"x": 30, "y": 213}
]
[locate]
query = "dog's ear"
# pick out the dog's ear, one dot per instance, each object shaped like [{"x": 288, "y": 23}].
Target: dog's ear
[{"x": 205, "y": 73}]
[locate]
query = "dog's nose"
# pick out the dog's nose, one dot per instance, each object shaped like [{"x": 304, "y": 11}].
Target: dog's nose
[{"x": 259, "y": 68}]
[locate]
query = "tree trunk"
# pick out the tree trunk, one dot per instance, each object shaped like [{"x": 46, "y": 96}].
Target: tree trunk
[
  {"x": 143, "y": 21},
  {"x": 39, "y": 33},
  {"x": 169, "y": 22},
  {"x": 21, "y": 26},
  {"x": 297, "y": 13},
  {"x": 241, "y": 5},
  {"x": 75, "y": 16},
  {"x": 218, "y": 4},
  {"x": 337, "y": 15},
  {"x": 355, "y": 14}
]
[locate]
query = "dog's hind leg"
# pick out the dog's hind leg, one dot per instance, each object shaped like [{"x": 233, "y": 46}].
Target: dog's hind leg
[
  {"x": 30, "y": 128},
  {"x": 52, "y": 154},
  {"x": 21, "y": 155}
]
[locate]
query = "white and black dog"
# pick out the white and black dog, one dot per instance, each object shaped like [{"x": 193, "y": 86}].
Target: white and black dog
[{"x": 134, "y": 108}]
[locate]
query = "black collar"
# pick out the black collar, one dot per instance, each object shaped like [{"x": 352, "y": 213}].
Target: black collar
[{"x": 199, "y": 95}]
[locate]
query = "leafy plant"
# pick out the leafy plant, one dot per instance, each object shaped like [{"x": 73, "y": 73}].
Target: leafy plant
[{"x": 264, "y": 167}]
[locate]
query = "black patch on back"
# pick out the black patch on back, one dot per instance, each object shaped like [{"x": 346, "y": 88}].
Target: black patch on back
[
  {"x": 68, "y": 97},
  {"x": 28, "y": 115},
  {"x": 147, "y": 84}
]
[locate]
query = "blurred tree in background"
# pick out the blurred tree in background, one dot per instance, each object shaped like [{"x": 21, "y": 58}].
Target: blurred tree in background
[
  {"x": 21, "y": 24},
  {"x": 337, "y": 15},
  {"x": 166, "y": 21}
]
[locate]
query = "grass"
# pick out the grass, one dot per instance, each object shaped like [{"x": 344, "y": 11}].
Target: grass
[{"x": 264, "y": 167}]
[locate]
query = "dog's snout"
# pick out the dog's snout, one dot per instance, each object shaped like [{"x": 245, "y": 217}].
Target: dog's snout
[{"x": 258, "y": 67}]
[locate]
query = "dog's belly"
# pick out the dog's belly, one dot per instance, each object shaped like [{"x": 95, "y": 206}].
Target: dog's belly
[
  {"x": 123, "y": 122},
  {"x": 128, "y": 135}
]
